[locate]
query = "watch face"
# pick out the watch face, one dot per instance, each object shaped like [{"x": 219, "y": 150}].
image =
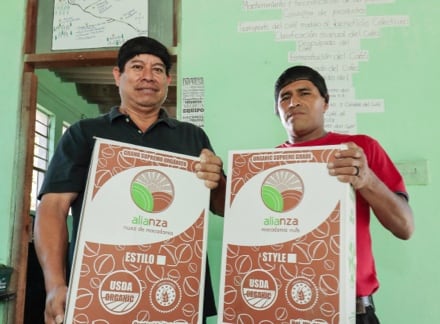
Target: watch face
[
  {"x": 165, "y": 295},
  {"x": 301, "y": 293}
]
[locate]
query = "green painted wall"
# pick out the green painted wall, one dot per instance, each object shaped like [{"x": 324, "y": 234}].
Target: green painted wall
[
  {"x": 11, "y": 35},
  {"x": 239, "y": 70}
]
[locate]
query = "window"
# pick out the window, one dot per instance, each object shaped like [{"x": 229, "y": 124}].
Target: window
[{"x": 41, "y": 154}]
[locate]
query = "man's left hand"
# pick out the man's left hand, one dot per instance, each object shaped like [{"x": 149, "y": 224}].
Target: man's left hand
[{"x": 209, "y": 169}]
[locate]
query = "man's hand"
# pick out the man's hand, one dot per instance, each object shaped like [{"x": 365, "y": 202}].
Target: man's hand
[
  {"x": 55, "y": 305},
  {"x": 209, "y": 169},
  {"x": 351, "y": 166},
  {"x": 391, "y": 209}
]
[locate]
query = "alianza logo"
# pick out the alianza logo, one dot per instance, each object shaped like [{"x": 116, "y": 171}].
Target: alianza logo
[
  {"x": 282, "y": 190},
  {"x": 281, "y": 221},
  {"x": 152, "y": 191}
]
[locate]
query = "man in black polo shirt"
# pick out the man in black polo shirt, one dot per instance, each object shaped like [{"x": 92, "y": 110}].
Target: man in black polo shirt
[{"x": 142, "y": 76}]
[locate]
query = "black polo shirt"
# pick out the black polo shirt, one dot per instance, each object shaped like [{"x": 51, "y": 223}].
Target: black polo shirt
[{"x": 69, "y": 166}]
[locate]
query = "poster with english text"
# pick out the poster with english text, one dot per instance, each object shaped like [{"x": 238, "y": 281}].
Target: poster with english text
[
  {"x": 289, "y": 240},
  {"x": 141, "y": 249}
]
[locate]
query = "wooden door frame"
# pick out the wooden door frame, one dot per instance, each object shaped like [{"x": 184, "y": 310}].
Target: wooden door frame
[{"x": 24, "y": 158}]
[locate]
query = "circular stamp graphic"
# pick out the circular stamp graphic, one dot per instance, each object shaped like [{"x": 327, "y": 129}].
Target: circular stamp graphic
[
  {"x": 165, "y": 295},
  {"x": 152, "y": 191},
  {"x": 282, "y": 190},
  {"x": 259, "y": 289},
  {"x": 120, "y": 292},
  {"x": 301, "y": 293}
]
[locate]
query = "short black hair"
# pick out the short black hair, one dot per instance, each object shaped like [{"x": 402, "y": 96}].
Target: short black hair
[
  {"x": 301, "y": 72},
  {"x": 143, "y": 45}
]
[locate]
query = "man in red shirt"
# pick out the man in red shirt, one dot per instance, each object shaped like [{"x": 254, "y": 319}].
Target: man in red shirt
[{"x": 302, "y": 100}]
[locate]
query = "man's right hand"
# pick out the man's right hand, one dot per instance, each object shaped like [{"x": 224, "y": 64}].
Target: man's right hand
[{"x": 55, "y": 305}]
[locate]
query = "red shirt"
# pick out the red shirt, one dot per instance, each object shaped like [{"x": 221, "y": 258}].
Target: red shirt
[{"x": 380, "y": 163}]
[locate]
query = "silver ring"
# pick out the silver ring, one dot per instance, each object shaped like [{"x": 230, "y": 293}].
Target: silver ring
[{"x": 357, "y": 170}]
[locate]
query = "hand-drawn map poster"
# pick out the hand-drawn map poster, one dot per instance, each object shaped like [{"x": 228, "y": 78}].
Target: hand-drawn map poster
[
  {"x": 141, "y": 250},
  {"x": 79, "y": 24}
]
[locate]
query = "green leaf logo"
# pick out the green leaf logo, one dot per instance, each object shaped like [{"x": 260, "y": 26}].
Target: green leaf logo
[
  {"x": 152, "y": 191},
  {"x": 282, "y": 190},
  {"x": 272, "y": 198},
  {"x": 142, "y": 197}
]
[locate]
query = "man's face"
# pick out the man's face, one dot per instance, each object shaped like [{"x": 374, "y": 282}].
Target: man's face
[
  {"x": 301, "y": 109},
  {"x": 144, "y": 82}
]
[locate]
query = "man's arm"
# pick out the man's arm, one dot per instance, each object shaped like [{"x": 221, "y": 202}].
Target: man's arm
[
  {"x": 210, "y": 169},
  {"x": 51, "y": 239},
  {"x": 391, "y": 209},
  {"x": 218, "y": 196}
]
